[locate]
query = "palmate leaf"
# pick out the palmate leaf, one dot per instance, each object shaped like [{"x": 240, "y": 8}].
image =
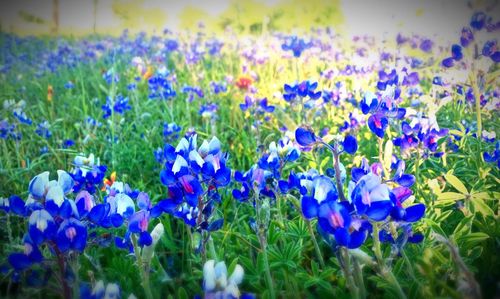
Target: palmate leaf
[{"x": 456, "y": 183}]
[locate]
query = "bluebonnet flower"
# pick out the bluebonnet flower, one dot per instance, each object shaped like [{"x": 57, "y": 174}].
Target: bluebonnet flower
[
  {"x": 304, "y": 93},
  {"x": 263, "y": 178},
  {"x": 18, "y": 111},
  {"x": 87, "y": 174},
  {"x": 7, "y": 130},
  {"x": 43, "y": 130},
  {"x": 319, "y": 199},
  {"x": 218, "y": 87},
  {"x": 191, "y": 91},
  {"x": 478, "y": 20},
  {"x": 421, "y": 135},
  {"x": 209, "y": 111},
  {"x": 373, "y": 198},
  {"x": 489, "y": 136},
  {"x": 426, "y": 45},
  {"x": 171, "y": 130},
  {"x": 277, "y": 156},
  {"x": 296, "y": 45},
  {"x": 217, "y": 284},
  {"x": 494, "y": 156},
  {"x": 110, "y": 76},
  {"x": 53, "y": 219},
  {"x": 118, "y": 105},
  {"x": 100, "y": 291},
  {"x": 381, "y": 109},
  {"x": 193, "y": 176},
  {"x": 259, "y": 109},
  {"x": 253, "y": 182},
  {"x": 160, "y": 86},
  {"x": 354, "y": 123},
  {"x": 67, "y": 143},
  {"x": 306, "y": 137},
  {"x": 214, "y": 46},
  {"x": 90, "y": 123},
  {"x": 69, "y": 85},
  {"x": 171, "y": 45}
]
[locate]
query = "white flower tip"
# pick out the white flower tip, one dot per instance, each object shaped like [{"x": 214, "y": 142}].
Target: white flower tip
[{"x": 237, "y": 275}]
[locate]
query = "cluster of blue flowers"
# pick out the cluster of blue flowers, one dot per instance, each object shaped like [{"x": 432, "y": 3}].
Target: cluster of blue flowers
[
  {"x": 193, "y": 176},
  {"x": 118, "y": 105},
  {"x": 420, "y": 135},
  {"x": 65, "y": 214},
  {"x": 304, "y": 93},
  {"x": 264, "y": 178},
  {"x": 478, "y": 22},
  {"x": 9, "y": 125},
  {"x": 381, "y": 109},
  {"x": 160, "y": 86},
  {"x": 369, "y": 200}
]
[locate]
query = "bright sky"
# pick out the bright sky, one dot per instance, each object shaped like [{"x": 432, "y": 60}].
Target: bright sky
[{"x": 442, "y": 19}]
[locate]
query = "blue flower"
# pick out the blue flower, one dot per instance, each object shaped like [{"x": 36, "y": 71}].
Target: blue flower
[
  {"x": 72, "y": 234},
  {"x": 381, "y": 109},
  {"x": 117, "y": 105},
  {"x": 467, "y": 37},
  {"x": 160, "y": 87},
  {"x": 193, "y": 176},
  {"x": 296, "y": 45},
  {"x": 305, "y": 137},
  {"x": 478, "y": 20},
  {"x": 350, "y": 144},
  {"x": 41, "y": 226},
  {"x": 299, "y": 92},
  {"x": 371, "y": 197},
  {"x": 43, "y": 130}
]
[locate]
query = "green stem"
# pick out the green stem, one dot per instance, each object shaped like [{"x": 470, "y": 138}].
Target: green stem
[
  {"x": 62, "y": 270},
  {"x": 346, "y": 268},
  {"x": 477, "y": 96},
  {"x": 338, "y": 179},
  {"x": 358, "y": 276},
  {"x": 76, "y": 269},
  {"x": 316, "y": 246},
  {"x": 211, "y": 248},
  {"x": 383, "y": 270},
  {"x": 381, "y": 156},
  {"x": 269, "y": 280},
  {"x": 143, "y": 269},
  {"x": 280, "y": 216}
]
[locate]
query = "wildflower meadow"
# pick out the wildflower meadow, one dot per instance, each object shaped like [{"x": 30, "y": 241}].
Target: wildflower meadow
[{"x": 270, "y": 164}]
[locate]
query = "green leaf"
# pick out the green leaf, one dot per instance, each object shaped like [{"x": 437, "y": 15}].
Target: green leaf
[
  {"x": 481, "y": 195},
  {"x": 462, "y": 227},
  {"x": 482, "y": 207},
  {"x": 181, "y": 293},
  {"x": 450, "y": 196},
  {"x": 435, "y": 227},
  {"x": 473, "y": 238},
  {"x": 456, "y": 183}
]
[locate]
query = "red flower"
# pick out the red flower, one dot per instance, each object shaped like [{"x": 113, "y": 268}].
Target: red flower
[{"x": 244, "y": 82}]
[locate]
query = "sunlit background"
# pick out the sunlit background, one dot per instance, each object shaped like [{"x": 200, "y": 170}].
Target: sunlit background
[{"x": 440, "y": 19}]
